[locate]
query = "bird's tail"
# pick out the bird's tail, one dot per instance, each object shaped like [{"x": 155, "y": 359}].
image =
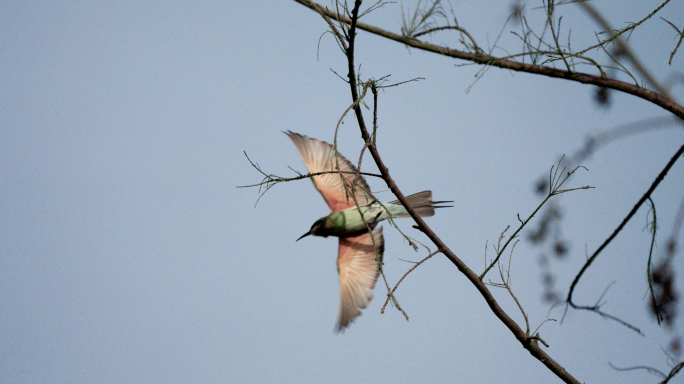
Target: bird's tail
[{"x": 421, "y": 203}]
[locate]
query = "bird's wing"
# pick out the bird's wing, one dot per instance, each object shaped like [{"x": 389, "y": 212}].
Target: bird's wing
[
  {"x": 319, "y": 156},
  {"x": 358, "y": 270}
]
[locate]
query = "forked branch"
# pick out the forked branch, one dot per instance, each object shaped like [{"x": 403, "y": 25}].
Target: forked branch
[{"x": 556, "y": 181}]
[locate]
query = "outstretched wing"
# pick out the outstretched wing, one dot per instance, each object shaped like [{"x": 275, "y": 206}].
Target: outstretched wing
[
  {"x": 319, "y": 156},
  {"x": 358, "y": 269}
]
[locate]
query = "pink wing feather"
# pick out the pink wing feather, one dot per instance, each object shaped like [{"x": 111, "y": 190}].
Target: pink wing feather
[
  {"x": 358, "y": 269},
  {"x": 319, "y": 156}
]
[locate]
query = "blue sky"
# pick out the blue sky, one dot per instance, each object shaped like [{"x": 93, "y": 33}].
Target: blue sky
[{"x": 127, "y": 254}]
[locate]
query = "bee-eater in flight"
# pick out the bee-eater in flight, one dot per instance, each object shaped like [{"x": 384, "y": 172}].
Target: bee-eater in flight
[{"x": 359, "y": 255}]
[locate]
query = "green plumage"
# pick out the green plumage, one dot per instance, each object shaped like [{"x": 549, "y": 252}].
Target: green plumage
[{"x": 353, "y": 220}]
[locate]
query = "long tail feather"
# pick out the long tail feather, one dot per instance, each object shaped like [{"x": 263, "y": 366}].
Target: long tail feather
[{"x": 421, "y": 203}]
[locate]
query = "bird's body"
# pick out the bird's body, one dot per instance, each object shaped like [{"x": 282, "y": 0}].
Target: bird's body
[
  {"x": 349, "y": 221},
  {"x": 354, "y": 215}
]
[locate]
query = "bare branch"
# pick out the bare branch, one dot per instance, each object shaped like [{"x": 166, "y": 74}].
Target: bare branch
[
  {"x": 653, "y": 227},
  {"x": 271, "y": 180},
  {"x": 660, "y": 98},
  {"x": 636, "y": 207},
  {"x": 675, "y": 370}
]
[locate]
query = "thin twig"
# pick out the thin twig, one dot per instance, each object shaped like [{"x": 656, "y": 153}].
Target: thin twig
[
  {"x": 454, "y": 27},
  {"x": 681, "y": 37},
  {"x": 402, "y": 278},
  {"x": 639, "y": 367}
]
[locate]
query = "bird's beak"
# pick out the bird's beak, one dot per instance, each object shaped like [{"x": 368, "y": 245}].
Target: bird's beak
[{"x": 303, "y": 236}]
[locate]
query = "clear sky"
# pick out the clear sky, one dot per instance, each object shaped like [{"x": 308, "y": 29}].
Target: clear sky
[{"x": 127, "y": 254}]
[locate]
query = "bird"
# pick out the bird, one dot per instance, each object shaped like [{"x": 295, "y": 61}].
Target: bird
[{"x": 361, "y": 245}]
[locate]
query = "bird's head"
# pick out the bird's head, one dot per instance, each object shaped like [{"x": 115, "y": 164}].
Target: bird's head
[{"x": 315, "y": 229}]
